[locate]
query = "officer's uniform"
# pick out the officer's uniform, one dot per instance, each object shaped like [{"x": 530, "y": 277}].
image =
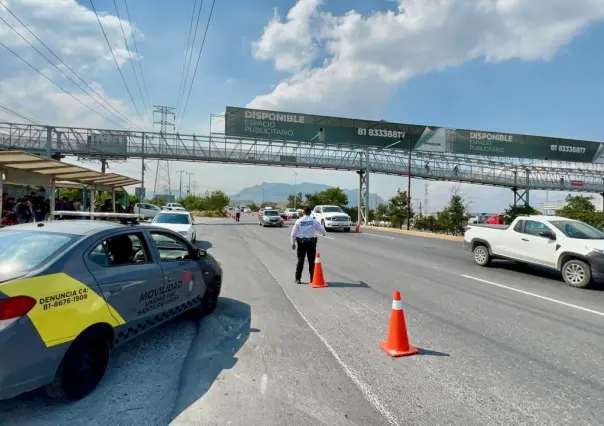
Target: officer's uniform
[
  {"x": 237, "y": 214},
  {"x": 303, "y": 234}
]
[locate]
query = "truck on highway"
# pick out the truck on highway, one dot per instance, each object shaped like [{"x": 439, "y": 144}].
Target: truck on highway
[{"x": 574, "y": 248}]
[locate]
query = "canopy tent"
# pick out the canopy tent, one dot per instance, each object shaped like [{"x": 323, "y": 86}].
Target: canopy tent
[{"x": 21, "y": 167}]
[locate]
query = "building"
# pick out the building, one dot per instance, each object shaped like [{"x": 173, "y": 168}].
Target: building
[{"x": 550, "y": 208}]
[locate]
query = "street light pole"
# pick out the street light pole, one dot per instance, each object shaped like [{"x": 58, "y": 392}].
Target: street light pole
[
  {"x": 180, "y": 172},
  {"x": 295, "y": 186},
  {"x": 189, "y": 188},
  {"x": 409, "y": 189}
]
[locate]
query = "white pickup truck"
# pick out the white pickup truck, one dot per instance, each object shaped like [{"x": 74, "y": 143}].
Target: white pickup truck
[
  {"x": 332, "y": 217},
  {"x": 569, "y": 246}
]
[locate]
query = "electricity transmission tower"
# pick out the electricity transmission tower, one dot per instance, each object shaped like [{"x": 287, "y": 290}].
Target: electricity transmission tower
[
  {"x": 426, "y": 198},
  {"x": 162, "y": 171}
]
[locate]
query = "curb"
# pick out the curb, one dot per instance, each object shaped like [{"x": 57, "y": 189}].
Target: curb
[{"x": 415, "y": 233}]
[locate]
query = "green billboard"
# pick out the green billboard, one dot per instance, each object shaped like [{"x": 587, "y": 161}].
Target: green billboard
[{"x": 277, "y": 125}]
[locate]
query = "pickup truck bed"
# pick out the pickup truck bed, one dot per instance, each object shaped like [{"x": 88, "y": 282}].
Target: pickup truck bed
[{"x": 487, "y": 225}]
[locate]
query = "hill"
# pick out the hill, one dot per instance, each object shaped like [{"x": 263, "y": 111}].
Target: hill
[{"x": 274, "y": 192}]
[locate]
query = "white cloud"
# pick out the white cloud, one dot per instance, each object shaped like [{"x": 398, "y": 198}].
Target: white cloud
[
  {"x": 364, "y": 57},
  {"x": 73, "y": 33}
]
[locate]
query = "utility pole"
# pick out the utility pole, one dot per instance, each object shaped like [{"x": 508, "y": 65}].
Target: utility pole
[
  {"x": 162, "y": 172},
  {"x": 194, "y": 187},
  {"x": 295, "y": 186},
  {"x": 189, "y": 187},
  {"x": 180, "y": 172},
  {"x": 409, "y": 189},
  {"x": 426, "y": 198}
]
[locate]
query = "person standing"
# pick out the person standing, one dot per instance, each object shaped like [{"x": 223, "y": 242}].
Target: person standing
[
  {"x": 303, "y": 235},
  {"x": 237, "y": 214}
]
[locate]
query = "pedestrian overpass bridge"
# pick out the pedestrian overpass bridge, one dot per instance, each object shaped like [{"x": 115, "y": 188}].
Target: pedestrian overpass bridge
[{"x": 520, "y": 175}]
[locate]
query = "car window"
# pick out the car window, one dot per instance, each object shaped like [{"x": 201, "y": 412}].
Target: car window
[
  {"x": 578, "y": 230},
  {"x": 271, "y": 213},
  {"x": 171, "y": 248},
  {"x": 519, "y": 226},
  {"x": 121, "y": 250},
  {"x": 317, "y": 209},
  {"x": 173, "y": 218},
  {"x": 533, "y": 227},
  {"x": 332, "y": 209},
  {"x": 24, "y": 251}
]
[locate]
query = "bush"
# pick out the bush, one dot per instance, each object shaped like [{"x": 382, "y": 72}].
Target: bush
[{"x": 215, "y": 202}]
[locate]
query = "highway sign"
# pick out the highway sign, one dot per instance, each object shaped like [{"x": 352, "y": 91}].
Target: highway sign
[{"x": 277, "y": 125}]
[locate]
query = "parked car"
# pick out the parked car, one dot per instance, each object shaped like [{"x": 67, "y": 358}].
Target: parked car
[
  {"x": 574, "y": 248},
  {"x": 148, "y": 211},
  {"x": 178, "y": 221},
  {"x": 174, "y": 206},
  {"x": 73, "y": 290}
]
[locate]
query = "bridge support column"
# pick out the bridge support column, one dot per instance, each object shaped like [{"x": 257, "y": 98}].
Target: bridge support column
[
  {"x": 521, "y": 196},
  {"x": 361, "y": 198}
]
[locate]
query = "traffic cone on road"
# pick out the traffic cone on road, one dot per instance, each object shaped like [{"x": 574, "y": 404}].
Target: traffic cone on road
[
  {"x": 318, "y": 281},
  {"x": 397, "y": 343},
  {"x": 358, "y": 228}
]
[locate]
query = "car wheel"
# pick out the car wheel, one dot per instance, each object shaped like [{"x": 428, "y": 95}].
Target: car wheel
[
  {"x": 209, "y": 300},
  {"x": 576, "y": 273},
  {"x": 481, "y": 255},
  {"x": 81, "y": 369}
]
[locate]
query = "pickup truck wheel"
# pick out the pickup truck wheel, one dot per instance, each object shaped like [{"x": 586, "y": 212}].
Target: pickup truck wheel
[
  {"x": 576, "y": 273},
  {"x": 481, "y": 255}
]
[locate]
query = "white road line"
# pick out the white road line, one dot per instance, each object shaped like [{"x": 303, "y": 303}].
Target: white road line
[
  {"x": 549, "y": 299},
  {"x": 329, "y": 238},
  {"x": 381, "y": 236}
]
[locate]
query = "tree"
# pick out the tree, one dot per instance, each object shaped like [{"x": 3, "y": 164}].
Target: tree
[
  {"x": 576, "y": 205},
  {"x": 332, "y": 196},
  {"x": 513, "y": 212},
  {"x": 214, "y": 202},
  {"x": 133, "y": 199},
  {"x": 456, "y": 214},
  {"x": 397, "y": 209},
  {"x": 295, "y": 200},
  {"x": 253, "y": 207},
  {"x": 381, "y": 212}
]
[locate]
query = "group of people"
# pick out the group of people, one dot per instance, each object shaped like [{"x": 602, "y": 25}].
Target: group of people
[{"x": 32, "y": 208}]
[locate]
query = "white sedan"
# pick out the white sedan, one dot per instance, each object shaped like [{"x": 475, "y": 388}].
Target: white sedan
[{"x": 178, "y": 221}]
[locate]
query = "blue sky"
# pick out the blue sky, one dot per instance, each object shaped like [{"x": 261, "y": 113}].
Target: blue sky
[{"x": 488, "y": 64}]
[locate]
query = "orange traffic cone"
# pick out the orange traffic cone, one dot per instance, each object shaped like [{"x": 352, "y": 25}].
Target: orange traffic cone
[
  {"x": 358, "y": 228},
  {"x": 318, "y": 281},
  {"x": 397, "y": 343}
]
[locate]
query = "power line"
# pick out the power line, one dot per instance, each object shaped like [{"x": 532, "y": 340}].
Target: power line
[
  {"x": 182, "y": 115},
  {"x": 61, "y": 71},
  {"x": 190, "y": 56},
  {"x": 117, "y": 113},
  {"x": 17, "y": 114},
  {"x": 131, "y": 61},
  {"x": 137, "y": 54},
  {"x": 115, "y": 60},
  {"x": 52, "y": 81},
  {"x": 184, "y": 64}
]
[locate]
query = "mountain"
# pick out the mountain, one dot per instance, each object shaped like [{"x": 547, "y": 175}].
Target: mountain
[{"x": 274, "y": 192}]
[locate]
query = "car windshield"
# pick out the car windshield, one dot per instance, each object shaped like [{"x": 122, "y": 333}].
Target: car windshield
[
  {"x": 332, "y": 209},
  {"x": 271, "y": 213},
  {"x": 176, "y": 205},
  {"x": 578, "y": 230},
  {"x": 25, "y": 251},
  {"x": 172, "y": 218}
]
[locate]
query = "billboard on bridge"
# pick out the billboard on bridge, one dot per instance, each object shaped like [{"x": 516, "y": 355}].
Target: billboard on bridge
[{"x": 254, "y": 123}]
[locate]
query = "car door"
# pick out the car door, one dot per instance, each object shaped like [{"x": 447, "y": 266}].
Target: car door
[
  {"x": 127, "y": 273},
  {"x": 179, "y": 265},
  {"x": 536, "y": 248},
  {"x": 508, "y": 242}
]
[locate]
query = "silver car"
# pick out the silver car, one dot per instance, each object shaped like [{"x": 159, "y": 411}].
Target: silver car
[{"x": 270, "y": 218}]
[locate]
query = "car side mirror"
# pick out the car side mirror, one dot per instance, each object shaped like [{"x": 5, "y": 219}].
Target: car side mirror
[
  {"x": 547, "y": 234},
  {"x": 201, "y": 253}
]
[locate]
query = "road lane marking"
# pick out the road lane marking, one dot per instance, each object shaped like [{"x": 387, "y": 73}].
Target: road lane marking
[
  {"x": 363, "y": 387},
  {"x": 381, "y": 236},
  {"x": 538, "y": 296},
  {"x": 329, "y": 238}
]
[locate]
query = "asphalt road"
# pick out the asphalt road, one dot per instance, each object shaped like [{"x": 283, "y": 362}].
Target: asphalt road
[{"x": 499, "y": 346}]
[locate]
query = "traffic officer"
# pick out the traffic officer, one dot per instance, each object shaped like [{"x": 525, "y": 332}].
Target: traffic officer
[{"x": 303, "y": 233}]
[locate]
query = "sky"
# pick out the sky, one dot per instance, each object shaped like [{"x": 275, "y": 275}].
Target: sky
[{"x": 518, "y": 66}]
